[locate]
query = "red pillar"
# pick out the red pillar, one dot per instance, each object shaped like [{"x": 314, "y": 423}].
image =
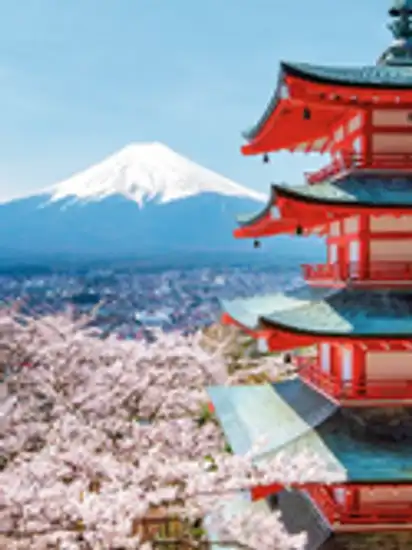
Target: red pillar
[
  {"x": 364, "y": 244},
  {"x": 359, "y": 370},
  {"x": 367, "y": 152}
]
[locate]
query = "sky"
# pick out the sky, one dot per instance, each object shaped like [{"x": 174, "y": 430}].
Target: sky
[{"x": 80, "y": 79}]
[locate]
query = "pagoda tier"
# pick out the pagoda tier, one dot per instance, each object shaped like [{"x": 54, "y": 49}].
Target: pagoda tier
[
  {"x": 362, "y": 339},
  {"x": 317, "y": 108},
  {"x": 374, "y": 491},
  {"x": 303, "y": 209},
  {"x": 366, "y": 219}
]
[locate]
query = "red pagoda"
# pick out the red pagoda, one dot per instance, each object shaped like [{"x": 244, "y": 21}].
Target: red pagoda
[{"x": 351, "y": 400}]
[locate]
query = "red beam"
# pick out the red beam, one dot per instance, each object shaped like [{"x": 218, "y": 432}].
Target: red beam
[
  {"x": 266, "y": 228},
  {"x": 262, "y": 491}
]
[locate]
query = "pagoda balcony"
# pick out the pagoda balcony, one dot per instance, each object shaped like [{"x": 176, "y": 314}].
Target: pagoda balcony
[
  {"x": 350, "y": 392},
  {"x": 384, "y": 272},
  {"x": 348, "y": 163},
  {"x": 363, "y": 517},
  {"x": 318, "y": 273}
]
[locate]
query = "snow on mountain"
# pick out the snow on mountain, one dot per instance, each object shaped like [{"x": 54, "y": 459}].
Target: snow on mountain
[
  {"x": 97, "y": 213},
  {"x": 144, "y": 172}
]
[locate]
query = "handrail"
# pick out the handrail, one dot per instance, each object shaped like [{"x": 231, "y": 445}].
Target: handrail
[
  {"x": 355, "y": 161},
  {"x": 374, "y": 271},
  {"x": 379, "y": 512},
  {"x": 309, "y": 370},
  {"x": 385, "y": 512},
  {"x": 321, "y": 496}
]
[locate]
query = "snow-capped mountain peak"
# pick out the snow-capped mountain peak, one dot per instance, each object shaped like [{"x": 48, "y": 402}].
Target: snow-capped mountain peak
[{"x": 147, "y": 171}]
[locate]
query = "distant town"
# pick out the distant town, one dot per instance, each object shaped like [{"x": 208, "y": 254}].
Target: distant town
[{"x": 132, "y": 304}]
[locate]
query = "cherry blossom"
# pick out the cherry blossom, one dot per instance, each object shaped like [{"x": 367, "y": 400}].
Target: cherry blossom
[{"x": 96, "y": 433}]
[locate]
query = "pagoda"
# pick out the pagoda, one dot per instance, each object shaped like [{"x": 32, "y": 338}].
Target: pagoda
[{"x": 351, "y": 399}]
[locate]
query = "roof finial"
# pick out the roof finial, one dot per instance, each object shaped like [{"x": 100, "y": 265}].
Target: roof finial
[
  {"x": 401, "y": 27},
  {"x": 400, "y": 52}
]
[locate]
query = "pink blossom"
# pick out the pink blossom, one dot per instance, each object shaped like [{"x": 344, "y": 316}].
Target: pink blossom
[{"x": 101, "y": 431}]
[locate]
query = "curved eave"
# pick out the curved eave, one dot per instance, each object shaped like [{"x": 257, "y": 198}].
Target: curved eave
[
  {"x": 307, "y": 315},
  {"x": 266, "y": 325},
  {"x": 266, "y": 228},
  {"x": 280, "y": 126},
  {"x": 263, "y": 224},
  {"x": 304, "y": 82},
  {"x": 247, "y": 221},
  {"x": 286, "y": 129},
  {"x": 286, "y": 193},
  {"x": 273, "y": 103},
  {"x": 372, "y": 77}
]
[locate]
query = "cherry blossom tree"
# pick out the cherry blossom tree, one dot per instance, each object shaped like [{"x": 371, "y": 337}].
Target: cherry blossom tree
[{"x": 98, "y": 433}]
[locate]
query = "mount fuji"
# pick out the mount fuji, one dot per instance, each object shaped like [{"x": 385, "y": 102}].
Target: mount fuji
[{"x": 144, "y": 199}]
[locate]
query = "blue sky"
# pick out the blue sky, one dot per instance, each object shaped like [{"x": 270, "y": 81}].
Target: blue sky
[{"x": 80, "y": 79}]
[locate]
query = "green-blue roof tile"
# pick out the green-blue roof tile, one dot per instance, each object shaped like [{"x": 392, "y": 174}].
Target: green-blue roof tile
[
  {"x": 257, "y": 411},
  {"x": 248, "y": 311},
  {"x": 347, "y": 312},
  {"x": 374, "y": 76},
  {"x": 362, "y": 189}
]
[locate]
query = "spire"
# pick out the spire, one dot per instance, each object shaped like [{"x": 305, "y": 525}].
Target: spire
[
  {"x": 400, "y": 52},
  {"x": 401, "y": 26}
]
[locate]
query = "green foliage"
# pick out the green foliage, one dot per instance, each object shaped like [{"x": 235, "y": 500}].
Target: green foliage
[{"x": 205, "y": 415}]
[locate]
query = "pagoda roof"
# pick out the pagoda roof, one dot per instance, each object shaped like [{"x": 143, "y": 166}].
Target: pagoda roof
[
  {"x": 369, "y": 76},
  {"x": 329, "y": 91},
  {"x": 350, "y": 312},
  {"x": 368, "y": 190},
  {"x": 292, "y": 418},
  {"x": 360, "y": 190}
]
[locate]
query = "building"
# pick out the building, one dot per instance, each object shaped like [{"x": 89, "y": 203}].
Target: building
[{"x": 352, "y": 399}]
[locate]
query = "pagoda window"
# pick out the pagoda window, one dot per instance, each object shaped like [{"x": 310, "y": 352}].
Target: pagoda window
[
  {"x": 392, "y": 143},
  {"x": 390, "y": 224},
  {"x": 334, "y": 229},
  {"x": 351, "y": 225},
  {"x": 347, "y": 364},
  {"x": 385, "y": 494},
  {"x": 395, "y": 117},
  {"x": 354, "y": 258},
  {"x": 387, "y": 250},
  {"x": 333, "y": 253},
  {"x": 325, "y": 358},
  {"x": 354, "y": 251},
  {"x": 390, "y": 365}
]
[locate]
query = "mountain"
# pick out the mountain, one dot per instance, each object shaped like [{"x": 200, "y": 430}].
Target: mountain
[
  {"x": 144, "y": 199},
  {"x": 145, "y": 172}
]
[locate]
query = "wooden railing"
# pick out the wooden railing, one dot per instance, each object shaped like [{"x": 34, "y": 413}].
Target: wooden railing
[
  {"x": 365, "y": 514},
  {"x": 321, "y": 271},
  {"x": 322, "y": 497},
  {"x": 348, "y": 161},
  {"x": 309, "y": 370},
  {"x": 375, "y": 271},
  {"x": 380, "y": 512}
]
